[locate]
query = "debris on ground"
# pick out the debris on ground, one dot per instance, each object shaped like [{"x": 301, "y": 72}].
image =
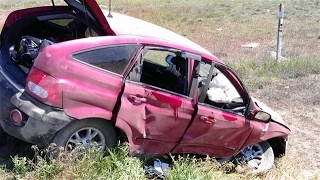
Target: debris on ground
[{"x": 158, "y": 170}]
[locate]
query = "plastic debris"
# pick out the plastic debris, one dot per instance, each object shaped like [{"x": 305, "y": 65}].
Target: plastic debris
[{"x": 158, "y": 170}]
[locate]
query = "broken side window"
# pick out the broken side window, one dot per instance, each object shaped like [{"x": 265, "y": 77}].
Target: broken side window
[{"x": 165, "y": 69}]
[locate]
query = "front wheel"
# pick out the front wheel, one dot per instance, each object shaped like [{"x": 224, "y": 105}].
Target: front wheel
[
  {"x": 258, "y": 157},
  {"x": 89, "y": 133}
]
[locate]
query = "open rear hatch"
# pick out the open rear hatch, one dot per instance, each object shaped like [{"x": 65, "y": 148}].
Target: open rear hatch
[
  {"x": 48, "y": 22},
  {"x": 92, "y": 9}
]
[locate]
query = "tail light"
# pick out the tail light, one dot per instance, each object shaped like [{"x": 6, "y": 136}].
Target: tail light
[{"x": 44, "y": 87}]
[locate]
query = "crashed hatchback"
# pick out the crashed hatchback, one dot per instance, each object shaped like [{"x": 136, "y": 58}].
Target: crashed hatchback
[{"x": 77, "y": 74}]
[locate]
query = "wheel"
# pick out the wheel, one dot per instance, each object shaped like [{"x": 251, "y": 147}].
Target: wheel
[
  {"x": 89, "y": 133},
  {"x": 258, "y": 157}
]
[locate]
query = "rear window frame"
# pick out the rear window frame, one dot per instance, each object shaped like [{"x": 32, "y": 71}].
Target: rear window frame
[{"x": 133, "y": 55}]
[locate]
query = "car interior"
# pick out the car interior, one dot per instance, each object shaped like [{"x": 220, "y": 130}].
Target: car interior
[
  {"x": 29, "y": 34},
  {"x": 164, "y": 76}
]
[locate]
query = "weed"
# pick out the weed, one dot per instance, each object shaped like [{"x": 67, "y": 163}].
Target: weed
[{"x": 21, "y": 166}]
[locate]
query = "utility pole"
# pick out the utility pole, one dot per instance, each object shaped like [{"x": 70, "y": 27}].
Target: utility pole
[{"x": 279, "y": 39}]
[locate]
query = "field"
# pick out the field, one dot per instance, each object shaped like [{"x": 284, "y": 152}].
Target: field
[{"x": 291, "y": 87}]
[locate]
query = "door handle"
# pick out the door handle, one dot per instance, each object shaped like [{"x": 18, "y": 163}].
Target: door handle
[
  {"x": 208, "y": 120},
  {"x": 137, "y": 99}
]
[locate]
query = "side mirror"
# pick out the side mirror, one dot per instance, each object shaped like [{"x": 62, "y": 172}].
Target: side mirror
[{"x": 260, "y": 116}]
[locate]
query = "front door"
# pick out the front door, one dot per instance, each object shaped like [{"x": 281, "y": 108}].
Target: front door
[{"x": 219, "y": 128}]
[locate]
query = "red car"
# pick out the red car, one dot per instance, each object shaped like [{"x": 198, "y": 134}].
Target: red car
[{"x": 134, "y": 81}]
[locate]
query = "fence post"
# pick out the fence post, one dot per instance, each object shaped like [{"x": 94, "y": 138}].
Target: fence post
[
  {"x": 279, "y": 38},
  {"x": 110, "y": 15}
]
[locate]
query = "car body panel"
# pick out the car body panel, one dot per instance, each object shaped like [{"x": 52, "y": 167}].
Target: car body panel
[
  {"x": 157, "y": 117},
  {"x": 215, "y": 132},
  {"x": 90, "y": 6},
  {"x": 74, "y": 76}
]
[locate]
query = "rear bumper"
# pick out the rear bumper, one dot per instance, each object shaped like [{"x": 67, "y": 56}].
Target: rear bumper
[{"x": 40, "y": 121}]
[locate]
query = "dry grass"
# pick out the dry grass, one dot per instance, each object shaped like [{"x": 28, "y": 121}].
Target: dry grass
[
  {"x": 291, "y": 88},
  {"x": 223, "y": 26}
]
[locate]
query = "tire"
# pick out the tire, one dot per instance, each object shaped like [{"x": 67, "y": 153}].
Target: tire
[
  {"x": 259, "y": 158},
  {"x": 88, "y": 133}
]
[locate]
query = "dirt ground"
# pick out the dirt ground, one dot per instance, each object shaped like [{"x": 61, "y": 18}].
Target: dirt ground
[{"x": 298, "y": 102}]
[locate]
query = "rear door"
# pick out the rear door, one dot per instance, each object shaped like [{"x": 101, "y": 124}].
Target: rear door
[{"x": 156, "y": 101}]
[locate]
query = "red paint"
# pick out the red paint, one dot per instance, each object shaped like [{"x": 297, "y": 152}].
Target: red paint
[
  {"x": 175, "y": 111},
  {"x": 229, "y": 117},
  {"x": 100, "y": 16},
  {"x": 174, "y": 101},
  {"x": 167, "y": 98}
]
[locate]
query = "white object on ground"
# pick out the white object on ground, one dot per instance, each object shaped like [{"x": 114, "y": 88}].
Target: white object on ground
[{"x": 251, "y": 45}]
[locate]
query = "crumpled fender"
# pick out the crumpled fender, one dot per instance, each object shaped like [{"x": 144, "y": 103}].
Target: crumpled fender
[
  {"x": 275, "y": 132},
  {"x": 276, "y": 127},
  {"x": 274, "y": 115}
]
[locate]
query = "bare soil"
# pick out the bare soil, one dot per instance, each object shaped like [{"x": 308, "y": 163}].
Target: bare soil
[{"x": 298, "y": 102}]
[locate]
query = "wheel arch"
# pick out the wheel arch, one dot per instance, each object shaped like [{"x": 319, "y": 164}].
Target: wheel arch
[
  {"x": 128, "y": 134},
  {"x": 121, "y": 135},
  {"x": 279, "y": 145}
]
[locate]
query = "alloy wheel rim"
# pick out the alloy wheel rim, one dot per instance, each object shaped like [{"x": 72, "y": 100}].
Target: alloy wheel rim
[
  {"x": 87, "y": 138},
  {"x": 253, "y": 155}
]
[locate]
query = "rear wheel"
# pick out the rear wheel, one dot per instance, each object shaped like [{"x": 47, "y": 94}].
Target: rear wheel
[{"x": 85, "y": 134}]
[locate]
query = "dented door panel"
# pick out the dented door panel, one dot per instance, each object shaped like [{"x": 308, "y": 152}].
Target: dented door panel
[
  {"x": 158, "y": 117},
  {"x": 215, "y": 132}
]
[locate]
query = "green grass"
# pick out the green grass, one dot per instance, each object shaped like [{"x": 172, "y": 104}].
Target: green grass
[{"x": 118, "y": 165}]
